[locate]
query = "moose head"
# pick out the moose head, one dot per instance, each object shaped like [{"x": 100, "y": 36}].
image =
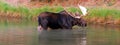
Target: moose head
[{"x": 78, "y": 20}]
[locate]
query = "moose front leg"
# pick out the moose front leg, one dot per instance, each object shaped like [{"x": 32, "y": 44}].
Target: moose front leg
[{"x": 42, "y": 23}]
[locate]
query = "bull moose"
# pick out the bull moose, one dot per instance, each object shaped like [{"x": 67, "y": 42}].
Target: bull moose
[{"x": 61, "y": 20}]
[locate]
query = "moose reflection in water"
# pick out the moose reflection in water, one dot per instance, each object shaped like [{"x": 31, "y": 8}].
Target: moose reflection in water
[{"x": 62, "y": 37}]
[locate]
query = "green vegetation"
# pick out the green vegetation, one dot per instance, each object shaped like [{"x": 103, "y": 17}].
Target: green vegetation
[
  {"x": 7, "y": 8},
  {"x": 26, "y": 12},
  {"x": 104, "y": 12},
  {"x": 30, "y": 13}
]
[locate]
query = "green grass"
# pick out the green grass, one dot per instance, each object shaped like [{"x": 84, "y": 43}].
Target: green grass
[
  {"x": 103, "y": 12},
  {"x": 29, "y": 13},
  {"x": 7, "y": 8},
  {"x": 26, "y": 12}
]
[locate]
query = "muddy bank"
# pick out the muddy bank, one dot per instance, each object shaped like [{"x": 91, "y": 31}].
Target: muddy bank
[
  {"x": 15, "y": 15},
  {"x": 102, "y": 20},
  {"x": 10, "y": 15}
]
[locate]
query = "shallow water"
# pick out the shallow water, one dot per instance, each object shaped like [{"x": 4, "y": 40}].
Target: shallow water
[
  {"x": 103, "y": 35},
  {"x": 26, "y": 33}
]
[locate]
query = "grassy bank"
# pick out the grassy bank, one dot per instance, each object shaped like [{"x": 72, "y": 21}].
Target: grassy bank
[
  {"x": 104, "y": 12},
  {"x": 95, "y": 15},
  {"x": 104, "y": 16}
]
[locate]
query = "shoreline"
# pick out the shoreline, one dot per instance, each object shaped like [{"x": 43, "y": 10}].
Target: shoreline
[{"x": 93, "y": 20}]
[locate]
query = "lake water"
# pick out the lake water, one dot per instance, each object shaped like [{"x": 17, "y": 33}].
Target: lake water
[{"x": 14, "y": 32}]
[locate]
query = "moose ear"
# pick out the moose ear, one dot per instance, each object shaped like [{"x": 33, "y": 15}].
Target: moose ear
[
  {"x": 77, "y": 14},
  {"x": 77, "y": 17}
]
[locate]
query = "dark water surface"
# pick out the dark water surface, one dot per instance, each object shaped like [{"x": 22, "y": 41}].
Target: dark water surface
[{"x": 26, "y": 33}]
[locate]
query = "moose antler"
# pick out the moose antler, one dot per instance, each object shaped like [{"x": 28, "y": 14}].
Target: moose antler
[
  {"x": 83, "y": 10},
  {"x": 71, "y": 14},
  {"x": 75, "y": 15}
]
